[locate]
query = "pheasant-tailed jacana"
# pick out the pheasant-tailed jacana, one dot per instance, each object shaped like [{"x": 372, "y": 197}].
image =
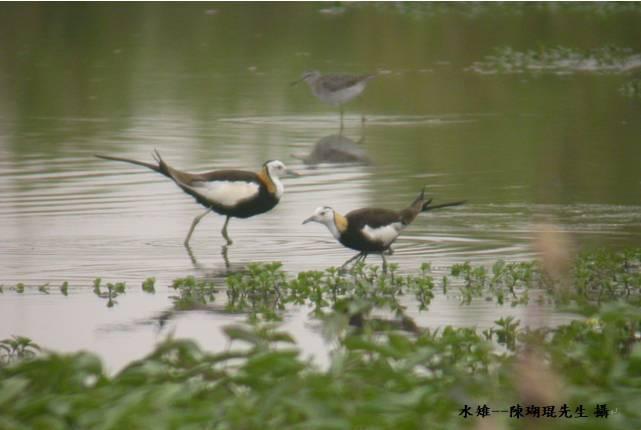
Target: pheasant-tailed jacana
[
  {"x": 233, "y": 193},
  {"x": 372, "y": 230}
]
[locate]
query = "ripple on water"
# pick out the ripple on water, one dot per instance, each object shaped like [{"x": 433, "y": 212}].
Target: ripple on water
[
  {"x": 113, "y": 218},
  {"x": 329, "y": 121}
]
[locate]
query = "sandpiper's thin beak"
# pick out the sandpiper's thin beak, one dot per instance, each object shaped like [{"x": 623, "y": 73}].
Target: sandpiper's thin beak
[
  {"x": 291, "y": 84},
  {"x": 292, "y": 174},
  {"x": 310, "y": 219}
]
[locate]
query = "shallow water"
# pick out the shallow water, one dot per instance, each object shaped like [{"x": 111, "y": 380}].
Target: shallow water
[{"x": 521, "y": 149}]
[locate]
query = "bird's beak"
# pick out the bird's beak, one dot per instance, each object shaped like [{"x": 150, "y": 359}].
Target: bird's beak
[
  {"x": 292, "y": 174},
  {"x": 291, "y": 84},
  {"x": 310, "y": 219}
]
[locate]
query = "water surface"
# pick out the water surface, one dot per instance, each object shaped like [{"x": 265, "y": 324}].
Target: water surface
[{"x": 208, "y": 86}]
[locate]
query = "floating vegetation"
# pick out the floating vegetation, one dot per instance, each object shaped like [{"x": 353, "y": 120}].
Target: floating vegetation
[
  {"x": 265, "y": 291},
  {"x": 477, "y": 10},
  {"x": 148, "y": 285},
  {"x": 374, "y": 380},
  {"x": 558, "y": 60},
  {"x": 505, "y": 281},
  {"x": 113, "y": 291},
  {"x": 379, "y": 375},
  {"x": 17, "y": 348},
  {"x": 193, "y": 293},
  {"x": 632, "y": 88},
  {"x": 64, "y": 288}
]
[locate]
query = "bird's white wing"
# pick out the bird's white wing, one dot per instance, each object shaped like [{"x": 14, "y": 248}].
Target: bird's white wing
[
  {"x": 385, "y": 234},
  {"x": 226, "y": 193}
]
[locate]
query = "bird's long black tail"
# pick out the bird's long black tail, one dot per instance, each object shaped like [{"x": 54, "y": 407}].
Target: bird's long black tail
[
  {"x": 420, "y": 204},
  {"x": 163, "y": 167},
  {"x": 428, "y": 207},
  {"x": 182, "y": 179},
  {"x": 151, "y": 166}
]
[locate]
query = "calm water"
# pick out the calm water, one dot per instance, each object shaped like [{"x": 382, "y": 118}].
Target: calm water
[{"x": 208, "y": 86}]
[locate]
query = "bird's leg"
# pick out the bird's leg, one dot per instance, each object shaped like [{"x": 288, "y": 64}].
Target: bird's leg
[
  {"x": 359, "y": 255},
  {"x": 362, "y": 139},
  {"x": 365, "y": 254},
  {"x": 224, "y": 254},
  {"x": 224, "y": 231},
  {"x": 341, "y": 110},
  {"x": 192, "y": 257},
  {"x": 384, "y": 262},
  {"x": 361, "y": 259},
  {"x": 193, "y": 226}
]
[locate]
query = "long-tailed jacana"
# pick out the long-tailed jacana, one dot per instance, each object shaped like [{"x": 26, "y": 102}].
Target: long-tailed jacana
[
  {"x": 372, "y": 230},
  {"x": 232, "y": 193}
]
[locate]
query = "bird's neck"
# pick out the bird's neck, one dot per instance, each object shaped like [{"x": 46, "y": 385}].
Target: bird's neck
[
  {"x": 274, "y": 185},
  {"x": 339, "y": 225},
  {"x": 315, "y": 86}
]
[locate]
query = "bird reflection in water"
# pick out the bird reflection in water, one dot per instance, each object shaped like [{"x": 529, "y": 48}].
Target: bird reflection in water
[
  {"x": 335, "y": 148},
  {"x": 219, "y": 271}
]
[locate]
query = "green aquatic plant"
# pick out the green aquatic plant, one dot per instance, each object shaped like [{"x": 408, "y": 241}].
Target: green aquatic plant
[
  {"x": 422, "y": 286},
  {"x": 374, "y": 379},
  {"x": 474, "y": 279},
  {"x": 96, "y": 286},
  {"x": 148, "y": 285},
  {"x": 17, "y": 348},
  {"x": 64, "y": 288},
  {"x": 631, "y": 88},
  {"x": 506, "y": 333},
  {"x": 193, "y": 293},
  {"x": 382, "y": 373},
  {"x": 265, "y": 291},
  {"x": 601, "y": 276},
  {"x": 261, "y": 290},
  {"x": 596, "y": 277},
  {"x": 558, "y": 59},
  {"x": 261, "y": 383},
  {"x": 113, "y": 291},
  {"x": 480, "y": 11}
]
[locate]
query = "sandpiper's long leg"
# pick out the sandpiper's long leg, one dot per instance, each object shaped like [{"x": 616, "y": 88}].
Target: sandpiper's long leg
[
  {"x": 224, "y": 231},
  {"x": 363, "y": 120},
  {"x": 194, "y": 224},
  {"x": 341, "y": 109},
  {"x": 359, "y": 255},
  {"x": 384, "y": 262}
]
